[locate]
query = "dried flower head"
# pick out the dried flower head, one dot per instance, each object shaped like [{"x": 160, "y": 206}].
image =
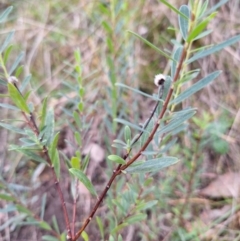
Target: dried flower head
[
  {"x": 12, "y": 80},
  {"x": 159, "y": 79}
]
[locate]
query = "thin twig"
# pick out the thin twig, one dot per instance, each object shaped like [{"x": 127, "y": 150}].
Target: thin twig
[{"x": 32, "y": 124}]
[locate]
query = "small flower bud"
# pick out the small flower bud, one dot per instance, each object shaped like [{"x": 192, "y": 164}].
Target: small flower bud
[
  {"x": 159, "y": 79},
  {"x": 12, "y": 80}
]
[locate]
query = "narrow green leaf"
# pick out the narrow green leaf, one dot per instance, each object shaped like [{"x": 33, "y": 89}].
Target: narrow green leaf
[
  {"x": 127, "y": 123},
  {"x": 7, "y": 53},
  {"x": 6, "y": 197},
  {"x": 54, "y": 155},
  {"x": 136, "y": 218},
  {"x": 77, "y": 119},
  {"x": 127, "y": 133},
  {"x": 83, "y": 179},
  {"x": 45, "y": 225},
  {"x": 25, "y": 82},
  {"x": 12, "y": 128},
  {"x": 100, "y": 226},
  {"x": 183, "y": 22},
  {"x": 203, "y": 9},
  {"x": 196, "y": 87},
  {"x": 176, "y": 55},
  {"x": 167, "y": 86},
  {"x": 118, "y": 228},
  {"x": 116, "y": 159},
  {"x": 147, "y": 205},
  {"x": 16, "y": 63},
  {"x": 85, "y": 162},
  {"x": 173, "y": 8},
  {"x": 214, "y": 49},
  {"x": 53, "y": 146},
  {"x": 55, "y": 224},
  {"x": 77, "y": 56},
  {"x": 49, "y": 123},
  {"x": 10, "y": 107},
  {"x": 152, "y": 46},
  {"x": 23, "y": 209},
  {"x": 119, "y": 238},
  {"x": 107, "y": 27},
  {"x": 43, "y": 113},
  {"x": 216, "y": 6},
  {"x": 175, "y": 122},
  {"x": 200, "y": 27},
  {"x": 77, "y": 137},
  {"x": 5, "y": 14},
  {"x": 43, "y": 206},
  {"x": 188, "y": 76},
  {"x": 32, "y": 155},
  {"x": 17, "y": 98},
  {"x": 26, "y": 96},
  {"x": 168, "y": 146},
  {"x": 138, "y": 91},
  {"x": 203, "y": 34},
  {"x": 84, "y": 235},
  {"x": 153, "y": 165},
  {"x": 18, "y": 71},
  {"x": 28, "y": 142}
]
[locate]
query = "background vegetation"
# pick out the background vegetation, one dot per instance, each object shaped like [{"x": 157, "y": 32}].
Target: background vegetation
[{"x": 197, "y": 199}]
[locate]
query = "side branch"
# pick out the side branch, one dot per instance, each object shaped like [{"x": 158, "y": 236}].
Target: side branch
[
  {"x": 120, "y": 168},
  {"x": 32, "y": 124}
]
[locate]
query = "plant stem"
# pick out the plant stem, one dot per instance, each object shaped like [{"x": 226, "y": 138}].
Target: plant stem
[
  {"x": 32, "y": 124},
  {"x": 120, "y": 168}
]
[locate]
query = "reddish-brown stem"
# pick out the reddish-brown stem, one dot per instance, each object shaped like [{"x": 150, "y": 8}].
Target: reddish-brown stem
[
  {"x": 31, "y": 122},
  {"x": 87, "y": 221},
  {"x": 120, "y": 168}
]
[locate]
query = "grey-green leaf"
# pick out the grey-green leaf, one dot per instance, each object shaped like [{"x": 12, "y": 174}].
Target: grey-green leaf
[
  {"x": 7, "y": 41},
  {"x": 183, "y": 22},
  {"x": 176, "y": 121},
  {"x": 32, "y": 155},
  {"x": 10, "y": 107},
  {"x": 176, "y": 56},
  {"x": 138, "y": 91},
  {"x": 196, "y": 87},
  {"x": 5, "y": 14},
  {"x": 16, "y": 63},
  {"x": 173, "y": 8},
  {"x": 12, "y": 128},
  {"x": 153, "y": 165},
  {"x": 151, "y": 45},
  {"x": 216, "y": 6},
  {"x": 25, "y": 82},
  {"x": 127, "y": 133},
  {"x": 49, "y": 122},
  {"x": 127, "y": 123},
  {"x": 83, "y": 179},
  {"x": 214, "y": 49}
]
